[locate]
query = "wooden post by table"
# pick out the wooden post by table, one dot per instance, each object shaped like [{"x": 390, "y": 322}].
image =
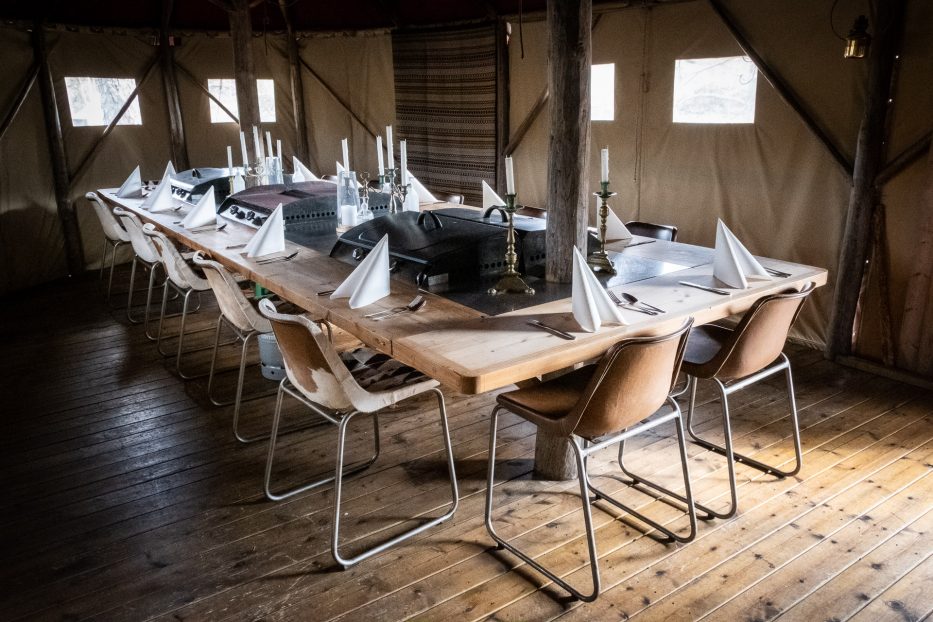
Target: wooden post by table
[
  {"x": 53, "y": 127},
  {"x": 569, "y": 55},
  {"x": 247, "y": 97},
  {"x": 298, "y": 99},
  {"x": 869, "y": 160},
  {"x": 170, "y": 86}
]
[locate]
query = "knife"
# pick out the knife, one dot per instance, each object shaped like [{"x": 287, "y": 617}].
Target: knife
[
  {"x": 705, "y": 288},
  {"x": 554, "y": 331}
]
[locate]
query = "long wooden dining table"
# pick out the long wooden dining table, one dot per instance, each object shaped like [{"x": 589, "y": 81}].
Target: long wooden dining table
[{"x": 464, "y": 349}]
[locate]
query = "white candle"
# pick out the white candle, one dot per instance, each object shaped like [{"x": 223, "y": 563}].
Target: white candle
[
  {"x": 389, "y": 147},
  {"x": 509, "y": 176},
  {"x": 243, "y": 149},
  {"x": 269, "y": 144},
  {"x": 404, "y": 147},
  {"x": 604, "y": 161},
  {"x": 257, "y": 144},
  {"x": 230, "y": 159},
  {"x": 382, "y": 168},
  {"x": 278, "y": 148},
  {"x": 346, "y": 154}
]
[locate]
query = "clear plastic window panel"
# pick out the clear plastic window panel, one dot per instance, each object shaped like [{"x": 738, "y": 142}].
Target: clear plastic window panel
[
  {"x": 224, "y": 89},
  {"x": 715, "y": 90},
  {"x": 96, "y": 101},
  {"x": 603, "y": 92}
]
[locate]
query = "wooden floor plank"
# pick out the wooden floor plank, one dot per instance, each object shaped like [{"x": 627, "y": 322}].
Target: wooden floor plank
[{"x": 908, "y": 600}]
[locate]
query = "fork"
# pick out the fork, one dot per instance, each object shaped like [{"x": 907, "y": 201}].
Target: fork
[
  {"x": 622, "y": 303},
  {"x": 416, "y": 303},
  {"x": 276, "y": 259}
]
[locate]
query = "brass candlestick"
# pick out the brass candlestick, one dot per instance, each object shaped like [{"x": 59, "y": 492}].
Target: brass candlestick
[
  {"x": 390, "y": 178},
  {"x": 599, "y": 260},
  {"x": 511, "y": 280}
]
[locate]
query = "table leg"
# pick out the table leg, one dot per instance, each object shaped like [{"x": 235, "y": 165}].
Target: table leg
[{"x": 554, "y": 458}]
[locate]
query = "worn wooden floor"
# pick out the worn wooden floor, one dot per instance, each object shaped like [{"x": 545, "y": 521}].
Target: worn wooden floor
[{"x": 126, "y": 498}]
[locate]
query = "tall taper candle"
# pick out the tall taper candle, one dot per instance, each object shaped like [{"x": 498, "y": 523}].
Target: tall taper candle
[
  {"x": 346, "y": 154},
  {"x": 243, "y": 149},
  {"x": 382, "y": 167},
  {"x": 269, "y": 151},
  {"x": 389, "y": 148},
  {"x": 278, "y": 148},
  {"x": 403, "y": 145},
  {"x": 509, "y": 176},
  {"x": 604, "y": 161},
  {"x": 230, "y": 159}
]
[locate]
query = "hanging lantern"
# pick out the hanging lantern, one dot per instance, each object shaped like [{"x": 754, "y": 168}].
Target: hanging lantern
[{"x": 858, "y": 40}]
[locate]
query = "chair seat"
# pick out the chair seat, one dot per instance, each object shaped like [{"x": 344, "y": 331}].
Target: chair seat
[
  {"x": 547, "y": 403},
  {"x": 375, "y": 371},
  {"x": 704, "y": 343}
]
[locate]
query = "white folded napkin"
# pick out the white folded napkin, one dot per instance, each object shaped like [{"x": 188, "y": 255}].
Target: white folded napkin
[
  {"x": 132, "y": 187},
  {"x": 161, "y": 198},
  {"x": 270, "y": 238},
  {"x": 490, "y": 198},
  {"x": 239, "y": 184},
  {"x": 302, "y": 173},
  {"x": 169, "y": 170},
  {"x": 204, "y": 213},
  {"x": 424, "y": 196},
  {"x": 732, "y": 263},
  {"x": 591, "y": 304},
  {"x": 615, "y": 230},
  {"x": 369, "y": 282},
  {"x": 412, "y": 202}
]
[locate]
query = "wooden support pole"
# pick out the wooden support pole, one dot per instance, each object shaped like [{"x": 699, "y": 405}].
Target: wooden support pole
[
  {"x": 298, "y": 100},
  {"x": 782, "y": 87},
  {"x": 502, "y": 101},
  {"x": 869, "y": 158},
  {"x": 569, "y": 25},
  {"x": 20, "y": 98},
  {"x": 89, "y": 157},
  {"x": 569, "y": 58},
  {"x": 170, "y": 87},
  {"x": 247, "y": 94},
  {"x": 74, "y": 253}
]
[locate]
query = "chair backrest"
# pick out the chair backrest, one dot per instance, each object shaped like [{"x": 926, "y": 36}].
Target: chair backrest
[
  {"x": 632, "y": 380},
  {"x": 142, "y": 245},
  {"x": 760, "y": 335},
  {"x": 652, "y": 230},
  {"x": 178, "y": 270},
  {"x": 452, "y": 198},
  {"x": 314, "y": 367},
  {"x": 113, "y": 230},
  {"x": 232, "y": 302}
]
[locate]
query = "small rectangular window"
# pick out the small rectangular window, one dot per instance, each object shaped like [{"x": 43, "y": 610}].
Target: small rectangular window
[
  {"x": 224, "y": 89},
  {"x": 96, "y": 101},
  {"x": 715, "y": 90},
  {"x": 603, "y": 92}
]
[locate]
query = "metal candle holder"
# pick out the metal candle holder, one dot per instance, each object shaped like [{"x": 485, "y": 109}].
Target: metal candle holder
[
  {"x": 390, "y": 179},
  {"x": 511, "y": 280},
  {"x": 599, "y": 260}
]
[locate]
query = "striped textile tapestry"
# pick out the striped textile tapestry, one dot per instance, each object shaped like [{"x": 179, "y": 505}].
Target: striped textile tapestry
[{"x": 445, "y": 106}]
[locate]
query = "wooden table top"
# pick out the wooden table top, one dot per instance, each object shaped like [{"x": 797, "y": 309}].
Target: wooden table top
[{"x": 461, "y": 347}]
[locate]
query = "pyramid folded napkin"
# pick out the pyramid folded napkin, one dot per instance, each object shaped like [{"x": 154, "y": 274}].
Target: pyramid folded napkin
[
  {"x": 204, "y": 213},
  {"x": 369, "y": 282},
  {"x": 591, "y": 304},
  {"x": 161, "y": 198},
  {"x": 132, "y": 187},
  {"x": 424, "y": 196},
  {"x": 239, "y": 184},
  {"x": 302, "y": 173},
  {"x": 490, "y": 198},
  {"x": 732, "y": 263},
  {"x": 169, "y": 170},
  {"x": 270, "y": 238}
]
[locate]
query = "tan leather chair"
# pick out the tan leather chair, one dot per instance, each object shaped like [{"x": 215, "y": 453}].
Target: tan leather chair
[
  {"x": 652, "y": 230},
  {"x": 736, "y": 358},
  {"x": 237, "y": 313},
  {"x": 597, "y": 406},
  {"x": 338, "y": 387},
  {"x": 114, "y": 236},
  {"x": 181, "y": 278},
  {"x": 146, "y": 256}
]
